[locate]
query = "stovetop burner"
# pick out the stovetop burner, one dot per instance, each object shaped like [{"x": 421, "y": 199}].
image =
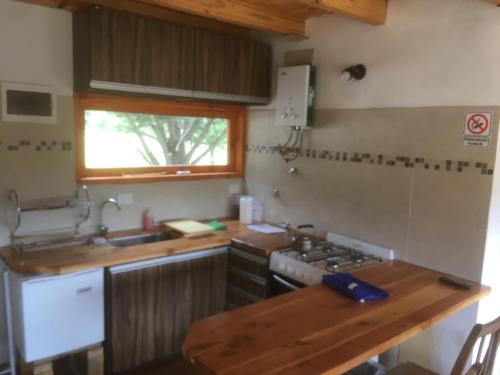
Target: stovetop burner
[
  {"x": 337, "y": 254},
  {"x": 333, "y": 258}
]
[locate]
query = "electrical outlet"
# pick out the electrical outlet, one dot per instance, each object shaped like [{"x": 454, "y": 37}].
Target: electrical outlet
[
  {"x": 235, "y": 189},
  {"x": 125, "y": 199}
]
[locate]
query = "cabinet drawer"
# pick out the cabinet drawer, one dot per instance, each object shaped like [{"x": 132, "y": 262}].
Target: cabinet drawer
[
  {"x": 250, "y": 263},
  {"x": 237, "y": 297},
  {"x": 248, "y": 282}
]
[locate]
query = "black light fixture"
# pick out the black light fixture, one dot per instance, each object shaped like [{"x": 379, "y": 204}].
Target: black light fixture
[{"x": 354, "y": 73}]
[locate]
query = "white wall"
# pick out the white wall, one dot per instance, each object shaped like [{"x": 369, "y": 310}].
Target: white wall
[
  {"x": 36, "y": 45},
  {"x": 430, "y": 53}
]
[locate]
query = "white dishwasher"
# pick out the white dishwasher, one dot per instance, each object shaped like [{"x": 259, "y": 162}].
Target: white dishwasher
[{"x": 53, "y": 315}]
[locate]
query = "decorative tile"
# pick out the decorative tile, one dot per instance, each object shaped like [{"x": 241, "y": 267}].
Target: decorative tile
[
  {"x": 26, "y": 145},
  {"x": 400, "y": 161}
]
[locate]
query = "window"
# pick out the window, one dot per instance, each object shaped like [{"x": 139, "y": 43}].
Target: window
[{"x": 129, "y": 139}]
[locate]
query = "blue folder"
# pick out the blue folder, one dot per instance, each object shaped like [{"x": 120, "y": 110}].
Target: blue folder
[{"x": 354, "y": 288}]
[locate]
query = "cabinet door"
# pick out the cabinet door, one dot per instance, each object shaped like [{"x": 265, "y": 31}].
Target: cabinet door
[
  {"x": 123, "y": 48},
  {"x": 152, "y": 306},
  {"x": 228, "y": 65},
  {"x": 254, "y": 69},
  {"x": 130, "y": 49},
  {"x": 120, "y": 48},
  {"x": 217, "y": 59}
]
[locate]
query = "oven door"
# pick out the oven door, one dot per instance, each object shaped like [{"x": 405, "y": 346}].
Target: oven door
[{"x": 281, "y": 285}]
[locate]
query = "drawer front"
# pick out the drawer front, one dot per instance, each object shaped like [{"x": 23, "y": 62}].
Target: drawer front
[
  {"x": 248, "y": 262},
  {"x": 237, "y": 297},
  {"x": 248, "y": 282}
]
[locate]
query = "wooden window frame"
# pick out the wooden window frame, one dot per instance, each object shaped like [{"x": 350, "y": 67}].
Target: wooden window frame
[{"x": 236, "y": 138}]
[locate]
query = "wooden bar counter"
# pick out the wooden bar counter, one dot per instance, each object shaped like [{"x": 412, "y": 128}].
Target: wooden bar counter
[{"x": 316, "y": 330}]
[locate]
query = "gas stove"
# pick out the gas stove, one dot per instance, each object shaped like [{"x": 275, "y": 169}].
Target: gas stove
[{"x": 337, "y": 254}]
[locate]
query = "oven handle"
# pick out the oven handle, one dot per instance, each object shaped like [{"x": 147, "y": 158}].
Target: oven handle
[{"x": 286, "y": 284}]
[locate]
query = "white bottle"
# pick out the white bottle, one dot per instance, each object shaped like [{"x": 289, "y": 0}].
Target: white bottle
[
  {"x": 246, "y": 210},
  {"x": 257, "y": 210}
]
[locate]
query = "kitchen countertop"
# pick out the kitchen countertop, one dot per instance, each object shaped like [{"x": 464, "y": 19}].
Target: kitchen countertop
[
  {"x": 316, "y": 330},
  {"x": 78, "y": 258}
]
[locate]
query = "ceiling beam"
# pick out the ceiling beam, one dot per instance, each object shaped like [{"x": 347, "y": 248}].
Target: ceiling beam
[
  {"x": 147, "y": 10},
  {"x": 371, "y": 11},
  {"x": 58, "y": 4},
  {"x": 171, "y": 15},
  {"x": 238, "y": 12}
]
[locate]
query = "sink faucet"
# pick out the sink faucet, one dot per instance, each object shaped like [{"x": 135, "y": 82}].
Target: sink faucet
[{"x": 102, "y": 229}]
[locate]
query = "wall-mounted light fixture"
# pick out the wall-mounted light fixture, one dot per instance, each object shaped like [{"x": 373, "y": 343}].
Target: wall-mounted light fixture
[{"x": 354, "y": 73}]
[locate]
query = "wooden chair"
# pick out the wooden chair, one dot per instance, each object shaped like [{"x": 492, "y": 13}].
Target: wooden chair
[{"x": 488, "y": 336}]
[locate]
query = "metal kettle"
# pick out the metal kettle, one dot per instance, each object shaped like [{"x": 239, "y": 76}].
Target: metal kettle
[{"x": 303, "y": 242}]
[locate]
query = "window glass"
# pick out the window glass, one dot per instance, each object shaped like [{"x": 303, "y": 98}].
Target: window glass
[{"x": 138, "y": 140}]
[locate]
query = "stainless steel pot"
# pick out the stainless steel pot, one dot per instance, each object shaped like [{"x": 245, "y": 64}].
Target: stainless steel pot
[{"x": 303, "y": 242}]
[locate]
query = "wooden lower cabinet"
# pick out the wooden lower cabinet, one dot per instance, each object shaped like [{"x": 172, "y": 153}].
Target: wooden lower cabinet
[{"x": 152, "y": 304}]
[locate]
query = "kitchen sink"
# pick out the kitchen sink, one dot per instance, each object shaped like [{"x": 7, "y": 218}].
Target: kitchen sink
[{"x": 141, "y": 239}]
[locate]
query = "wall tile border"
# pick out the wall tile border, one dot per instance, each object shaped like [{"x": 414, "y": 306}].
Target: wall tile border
[
  {"x": 26, "y": 145},
  {"x": 400, "y": 161}
]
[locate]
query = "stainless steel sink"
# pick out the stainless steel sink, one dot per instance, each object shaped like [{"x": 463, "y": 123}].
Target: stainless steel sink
[{"x": 141, "y": 239}]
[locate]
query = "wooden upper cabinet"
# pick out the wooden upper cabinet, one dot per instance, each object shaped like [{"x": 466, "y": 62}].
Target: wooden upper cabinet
[
  {"x": 147, "y": 54},
  {"x": 229, "y": 65},
  {"x": 120, "y": 47}
]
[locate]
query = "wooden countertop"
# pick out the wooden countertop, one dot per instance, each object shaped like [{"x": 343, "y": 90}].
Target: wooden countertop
[
  {"x": 316, "y": 330},
  {"x": 73, "y": 259}
]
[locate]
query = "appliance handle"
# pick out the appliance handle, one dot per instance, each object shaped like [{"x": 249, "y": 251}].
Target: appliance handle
[
  {"x": 285, "y": 283},
  {"x": 305, "y": 226}
]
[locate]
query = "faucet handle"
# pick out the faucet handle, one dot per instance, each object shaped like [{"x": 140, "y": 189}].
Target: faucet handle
[{"x": 102, "y": 230}]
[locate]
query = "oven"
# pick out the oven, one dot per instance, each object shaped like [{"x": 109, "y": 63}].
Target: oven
[{"x": 281, "y": 284}]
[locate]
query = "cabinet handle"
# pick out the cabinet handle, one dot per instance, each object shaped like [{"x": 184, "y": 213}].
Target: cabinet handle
[
  {"x": 249, "y": 276},
  {"x": 286, "y": 284},
  {"x": 247, "y": 256},
  {"x": 166, "y": 260}
]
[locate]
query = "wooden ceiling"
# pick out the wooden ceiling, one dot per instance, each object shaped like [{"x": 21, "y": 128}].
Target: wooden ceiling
[{"x": 287, "y": 17}]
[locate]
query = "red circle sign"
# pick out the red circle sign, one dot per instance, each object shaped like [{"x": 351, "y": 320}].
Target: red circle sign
[{"x": 478, "y": 124}]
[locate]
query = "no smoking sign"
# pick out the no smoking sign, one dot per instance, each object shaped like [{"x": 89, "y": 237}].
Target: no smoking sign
[
  {"x": 477, "y": 129},
  {"x": 478, "y": 124}
]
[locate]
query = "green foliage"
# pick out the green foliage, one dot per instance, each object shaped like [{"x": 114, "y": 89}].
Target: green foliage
[{"x": 182, "y": 140}]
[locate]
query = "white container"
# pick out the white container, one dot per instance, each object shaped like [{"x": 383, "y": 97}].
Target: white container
[
  {"x": 246, "y": 207},
  {"x": 257, "y": 210},
  {"x": 54, "y": 315}
]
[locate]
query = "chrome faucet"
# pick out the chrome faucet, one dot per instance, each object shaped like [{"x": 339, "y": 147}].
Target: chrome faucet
[{"x": 102, "y": 229}]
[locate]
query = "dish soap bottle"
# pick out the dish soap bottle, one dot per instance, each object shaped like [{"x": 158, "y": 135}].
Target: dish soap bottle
[{"x": 148, "y": 221}]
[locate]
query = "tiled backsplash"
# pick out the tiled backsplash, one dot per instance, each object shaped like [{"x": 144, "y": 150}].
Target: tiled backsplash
[
  {"x": 400, "y": 177},
  {"x": 24, "y": 145},
  {"x": 457, "y": 166}
]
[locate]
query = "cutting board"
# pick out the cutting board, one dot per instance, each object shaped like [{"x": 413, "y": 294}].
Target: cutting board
[{"x": 189, "y": 228}]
